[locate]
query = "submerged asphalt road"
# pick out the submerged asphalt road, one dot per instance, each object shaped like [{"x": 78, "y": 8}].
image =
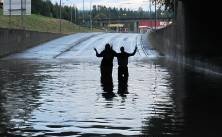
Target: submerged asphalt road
[
  {"x": 54, "y": 89},
  {"x": 81, "y": 46}
]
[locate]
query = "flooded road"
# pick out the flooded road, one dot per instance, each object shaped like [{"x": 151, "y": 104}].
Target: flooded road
[{"x": 55, "y": 90}]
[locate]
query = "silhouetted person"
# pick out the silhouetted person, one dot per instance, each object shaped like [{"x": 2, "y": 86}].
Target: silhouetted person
[
  {"x": 122, "y": 58},
  {"x": 106, "y": 66}
]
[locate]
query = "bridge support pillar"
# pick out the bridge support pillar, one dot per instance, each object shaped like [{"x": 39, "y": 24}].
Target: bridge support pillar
[
  {"x": 135, "y": 27},
  {"x": 101, "y": 24}
]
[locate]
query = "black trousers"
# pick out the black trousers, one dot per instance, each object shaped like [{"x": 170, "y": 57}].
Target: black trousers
[
  {"x": 123, "y": 73},
  {"x": 106, "y": 71}
]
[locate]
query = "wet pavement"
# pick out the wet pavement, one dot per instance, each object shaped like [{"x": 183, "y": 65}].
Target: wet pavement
[{"x": 55, "y": 90}]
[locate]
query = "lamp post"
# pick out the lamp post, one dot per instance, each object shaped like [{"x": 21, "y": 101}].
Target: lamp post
[
  {"x": 174, "y": 8},
  {"x": 10, "y": 12},
  {"x": 83, "y": 18},
  {"x": 91, "y": 15},
  {"x": 75, "y": 13},
  {"x": 151, "y": 22},
  {"x": 150, "y": 7},
  {"x": 22, "y": 14},
  {"x": 60, "y": 16},
  {"x": 109, "y": 18},
  {"x": 71, "y": 13},
  {"x": 155, "y": 14}
]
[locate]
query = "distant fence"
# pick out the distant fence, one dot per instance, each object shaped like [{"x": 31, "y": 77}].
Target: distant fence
[{"x": 14, "y": 40}]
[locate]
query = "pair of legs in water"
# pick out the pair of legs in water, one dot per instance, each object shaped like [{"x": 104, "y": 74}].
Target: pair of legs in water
[
  {"x": 106, "y": 72},
  {"x": 107, "y": 80}
]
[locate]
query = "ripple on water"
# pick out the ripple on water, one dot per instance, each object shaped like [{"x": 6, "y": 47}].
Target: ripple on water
[{"x": 66, "y": 99}]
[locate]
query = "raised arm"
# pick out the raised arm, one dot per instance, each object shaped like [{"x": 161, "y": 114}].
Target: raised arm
[
  {"x": 134, "y": 52},
  {"x": 98, "y": 54},
  {"x": 114, "y": 52}
]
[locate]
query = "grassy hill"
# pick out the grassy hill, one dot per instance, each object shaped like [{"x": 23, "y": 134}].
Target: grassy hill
[{"x": 41, "y": 23}]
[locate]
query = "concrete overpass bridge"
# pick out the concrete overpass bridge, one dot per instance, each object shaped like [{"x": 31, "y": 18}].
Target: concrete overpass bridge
[
  {"x": 104, "y": 22},
  {"x": 130, "y": 19}
]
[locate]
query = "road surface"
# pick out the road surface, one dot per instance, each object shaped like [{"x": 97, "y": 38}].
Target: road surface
[{"x": 81, "y": 46}]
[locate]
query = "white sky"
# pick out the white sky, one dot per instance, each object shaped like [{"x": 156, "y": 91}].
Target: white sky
[{"x": 131, "y": 4}]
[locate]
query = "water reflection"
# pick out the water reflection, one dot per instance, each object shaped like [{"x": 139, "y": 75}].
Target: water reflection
[
  {"x": 122, "y": 86},
  {"x": 107, "y": 85},
  {"x": 191, "y": 109},
  {"x": 19, "y": 96},
  {"x": 64, "y": 98}
]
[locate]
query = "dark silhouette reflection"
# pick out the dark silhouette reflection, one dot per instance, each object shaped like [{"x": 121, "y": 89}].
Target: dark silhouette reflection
[
  {"x": 107, "y": 85},
  {"x": 123, "y": 85}
]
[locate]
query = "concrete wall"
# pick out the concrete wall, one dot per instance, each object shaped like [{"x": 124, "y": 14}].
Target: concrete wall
[
  {"x": 13, "y": 40},
  {"x": 189, "y": 40},
  {"x": 170, "y": 41}
]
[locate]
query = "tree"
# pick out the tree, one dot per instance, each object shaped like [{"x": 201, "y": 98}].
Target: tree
[{"x": 168, "y": 4}]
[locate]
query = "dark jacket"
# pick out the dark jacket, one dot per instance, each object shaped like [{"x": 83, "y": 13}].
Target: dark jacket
[
  {"x": 123, "y": 58},
  {"x": 108, "y": 56}
]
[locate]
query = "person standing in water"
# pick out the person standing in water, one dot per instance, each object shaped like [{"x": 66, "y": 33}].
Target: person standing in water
[
  {"x": 122, "y": 58},
  {"x": 106, "y": 66}
]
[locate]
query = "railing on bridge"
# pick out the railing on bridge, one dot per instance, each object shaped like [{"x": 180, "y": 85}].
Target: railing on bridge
[{"x": 132, "y": 19}]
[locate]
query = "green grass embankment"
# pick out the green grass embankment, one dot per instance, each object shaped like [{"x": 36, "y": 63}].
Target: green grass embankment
[{"x": 41, "y": 23}]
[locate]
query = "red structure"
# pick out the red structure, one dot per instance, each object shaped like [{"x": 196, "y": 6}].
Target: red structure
[
  {"x": 149, "y": 23},
  {"x": 144, "y": 25}
]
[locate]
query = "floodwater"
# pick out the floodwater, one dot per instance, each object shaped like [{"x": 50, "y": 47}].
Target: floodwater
[{"x": 59, "y": 93}]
